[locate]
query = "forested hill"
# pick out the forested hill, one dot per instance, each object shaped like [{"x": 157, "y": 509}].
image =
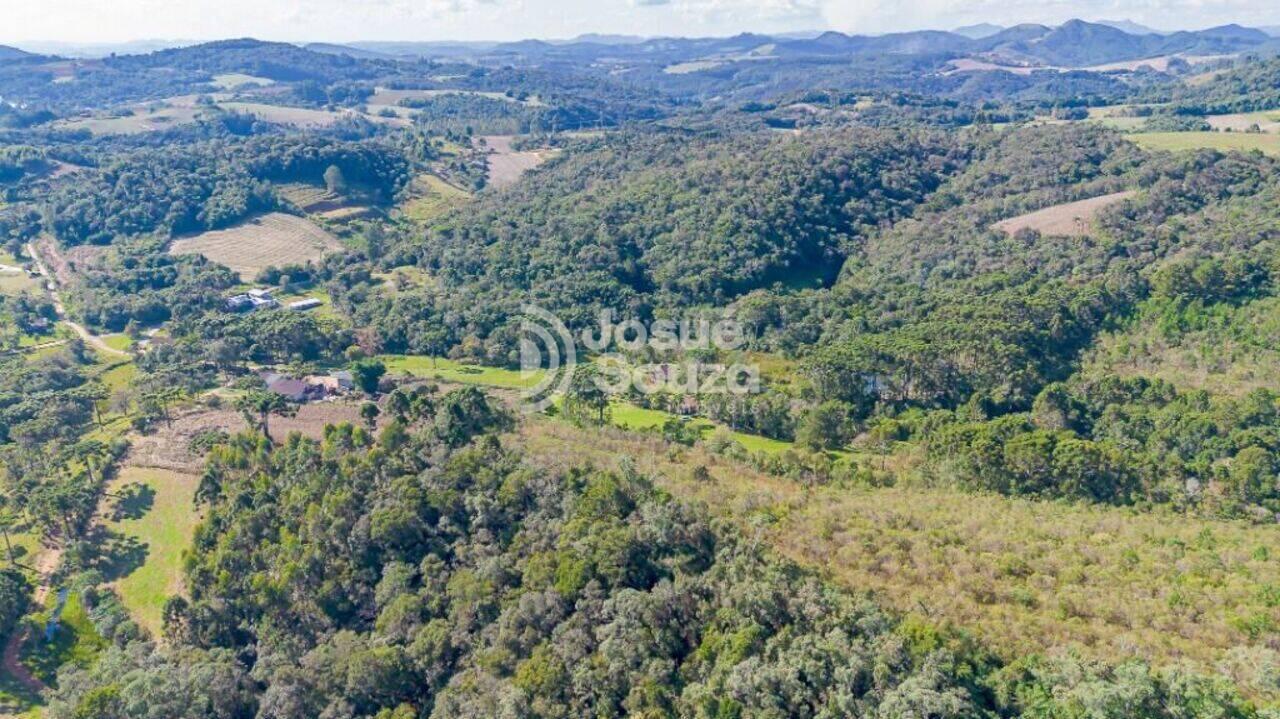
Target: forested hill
[
  {"x": 661, "y": 220},
  {"x": 1248, "y": 88},
  {"x": 431, "y": 572},
  {"x": 12, "y": 53}
]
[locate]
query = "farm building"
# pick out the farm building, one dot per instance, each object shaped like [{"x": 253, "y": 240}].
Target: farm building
[
  {"x": 291, "y": 388},
  {"x": 255, "y": 299},
  {"x": 334, "y": 382},
  {"x": 309, "y": 388},
  {"x": 301, "y": 305}
]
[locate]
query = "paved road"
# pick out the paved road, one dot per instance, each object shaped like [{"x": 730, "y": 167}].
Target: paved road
[{"x": 51, "y": 285}]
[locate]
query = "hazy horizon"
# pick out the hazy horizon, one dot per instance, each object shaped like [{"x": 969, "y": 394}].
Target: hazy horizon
[{"x": 86, "y": 23}]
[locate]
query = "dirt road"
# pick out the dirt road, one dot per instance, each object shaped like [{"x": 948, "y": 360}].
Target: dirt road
[
  {"x": 51, "y": 286},
  {"x": 46, "y": 565}
]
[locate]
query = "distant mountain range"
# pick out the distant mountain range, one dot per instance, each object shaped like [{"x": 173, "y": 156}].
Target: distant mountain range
[
  {"x": 1080, "y": 44},
  {"x": 96, "y": 50},
  {"x": 1074, "y": 44}
]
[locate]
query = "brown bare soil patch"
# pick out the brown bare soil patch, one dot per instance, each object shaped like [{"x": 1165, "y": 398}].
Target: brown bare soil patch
[
  {"x": 506, "y": 165},
  {"x": 169, "y": 447},
  {"x": 1071, "y": 219}
]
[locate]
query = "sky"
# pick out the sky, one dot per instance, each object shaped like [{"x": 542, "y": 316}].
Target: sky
[{"x": 101, "y": 21}]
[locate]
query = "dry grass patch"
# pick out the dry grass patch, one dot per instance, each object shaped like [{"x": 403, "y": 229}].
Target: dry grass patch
[
  {"x": 1244, "y": 121},
  {"x": 1022, "y": 575},
  {"x": 973, "y": 64},
  {"x": 140, "y": 121},
  {"x": 232, "y": 80},
  {"x": 303, "y": 117},
  {"x": 1071, "y": 219},
  {"x": 1232, "y": 355},
  {"x": 169, "y": 446},
  {"x": 317, "y": 201},
  {"x": 249, "y": 247},
  {"x": 282, "y": 115},
  {"x": 15, "y": 283}
]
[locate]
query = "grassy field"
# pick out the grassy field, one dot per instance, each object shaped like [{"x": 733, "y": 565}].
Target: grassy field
[
  {"x": 14, "y": 283},
  {"x": 631, "y": 417},
  {"x": 387, "y": 97},
  {"x": 120, "y": 342},
  {"x": 142, "y": 119},
  {"x": 453, "y": 371},
  {"x": 326, "y": 309},
  {"x": 1020, "y": 575},
  {"x": 301, "y": 116},
  {"x": 118, "y": 376},
  {"x": 431, "y": 198},
  {"x": 623, "y": 415},
  {"x": 155, "y": 517},
  {"x": 282, "y": 115},
  {"x": 76, "y": 641},
  {"x": 271, "y": 239},
  {"x": 1225, "y": 141},
  {"x": 408, "y": 277}
]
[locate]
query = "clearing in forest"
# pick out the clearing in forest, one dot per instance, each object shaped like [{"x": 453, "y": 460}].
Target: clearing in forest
[
  {"x": 432, "y": 197},
  {"x": 317, "y": 201},
  {"x": 386, "y": 97},
  {"x": 283, "y": 115},
  {"x": 133, "y": 121},
  {"x": 149, "y": 523},
  {"x": 232, "y": 80},
  {"x": 273, "y": 239},
  {"x": 506, "y": 164},
  {"x": 1244, "y": 121},
  {"x": 1071, "y": 219},
  {"x": 1225, "y": 141}
]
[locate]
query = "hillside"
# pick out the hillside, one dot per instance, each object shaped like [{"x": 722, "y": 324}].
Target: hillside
[{"x": 13, "y": 53}]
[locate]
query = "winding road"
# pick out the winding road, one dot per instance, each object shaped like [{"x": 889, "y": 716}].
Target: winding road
[{"x": 51, "y": 285}]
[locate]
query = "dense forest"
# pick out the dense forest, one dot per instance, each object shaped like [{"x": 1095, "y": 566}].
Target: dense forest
[{"x": 208, "y": 186}]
